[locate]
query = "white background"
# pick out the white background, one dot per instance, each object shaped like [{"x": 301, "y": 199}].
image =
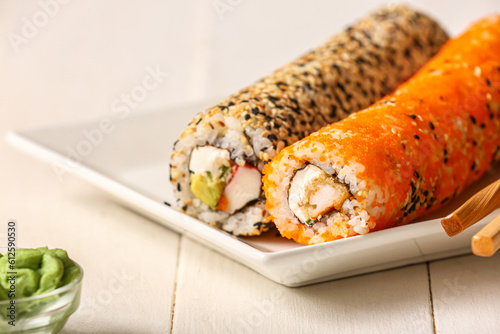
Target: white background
[{"x": 141, "y": 277}]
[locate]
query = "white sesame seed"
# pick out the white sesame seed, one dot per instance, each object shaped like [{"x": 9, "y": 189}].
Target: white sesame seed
[{"x": 477, "y": 71}]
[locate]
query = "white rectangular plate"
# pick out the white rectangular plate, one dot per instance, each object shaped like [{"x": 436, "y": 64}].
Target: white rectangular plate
[{"x": 128, "y": 157}]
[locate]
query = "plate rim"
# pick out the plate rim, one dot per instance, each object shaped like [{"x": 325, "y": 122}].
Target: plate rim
[{"x": 247, "y": 254}]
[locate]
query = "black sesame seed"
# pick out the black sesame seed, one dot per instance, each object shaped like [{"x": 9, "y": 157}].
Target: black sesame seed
[
  {"x": 198, "y": 122},
  {"x": 337, "y": 68},
  {"x": 445, "y": 151},
  {"x": 426, "y": 193},
  {"x": 483, "y": 125},
  {"x": 413, "y": 188},
  {"x": 488, "y": 82},
  {"x": 167, "y": 203},
  {"x": 413, "y": 116},
  {"x": 247, "y": 117},
  {"x": 339, "y": 102},
  {"x": 412, "y": 208},
  {"x": 302, "y": 122},
  {"x": 417, "y": 175},
  {"x": 473, "y": 165},
  {"x": 444, "y": 200},
  {"x": 341, "y": 87},
  {"x": 445, "y": 160},
  {"x": 361, "y": 60},
  {"x": 384, "y": 82},
  {"x": 407, "y": 53},
  {"x": 474, "y": 143},
  {"x": 178, "y": 187},
  {"x": 472, "y": 119},
  {"x": 272, "y": 137},
  {"x": 255, "y": 111},
  {"x": 184, "y": 207},
  {"x": 416, "y": 137},
  {"x": 273, "y": 98},
  {"x": 230, "y": 104},
  {"x": 431, "y": 126},
  {"x": 268, "y": 128},
  {"x": 258, "y": 225},
  {"x": 417, "y": 43}
]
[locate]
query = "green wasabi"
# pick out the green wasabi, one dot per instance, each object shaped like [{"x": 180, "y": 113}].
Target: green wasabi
[{"x": 38, "y": 271}]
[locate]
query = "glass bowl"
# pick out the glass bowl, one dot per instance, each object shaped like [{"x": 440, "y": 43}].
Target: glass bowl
[{"x": 46, "y": 313}]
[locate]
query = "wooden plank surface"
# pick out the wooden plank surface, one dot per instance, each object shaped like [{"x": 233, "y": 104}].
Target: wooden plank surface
[
  {"x": 217, "y": 295},
  {"x": 466, "y": 294}
]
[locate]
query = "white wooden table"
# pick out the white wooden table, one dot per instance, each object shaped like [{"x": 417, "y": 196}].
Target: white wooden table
[{"x": 141, "y": 277}]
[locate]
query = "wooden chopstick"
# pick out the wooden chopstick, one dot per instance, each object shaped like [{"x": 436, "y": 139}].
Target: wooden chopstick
[
  {"x": 487, "y": 241},
  {"x": 472, "y": 211}
]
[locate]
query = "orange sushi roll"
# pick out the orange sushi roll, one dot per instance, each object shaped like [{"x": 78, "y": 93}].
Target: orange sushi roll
[{"x": 401, "y": 158}]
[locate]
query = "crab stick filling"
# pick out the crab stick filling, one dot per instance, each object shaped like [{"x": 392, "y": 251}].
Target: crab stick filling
[
  {"x": 313, "y": 193},
  {"x": 219, "y": 182}
]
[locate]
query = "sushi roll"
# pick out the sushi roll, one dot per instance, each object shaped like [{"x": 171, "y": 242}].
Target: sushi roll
[
  {"x": 401, "y": 158},
  {"x": 216, "y": 163}
]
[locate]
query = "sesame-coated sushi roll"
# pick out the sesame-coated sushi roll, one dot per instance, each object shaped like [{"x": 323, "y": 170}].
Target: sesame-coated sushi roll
[
  {"x": 401, "y": 158},
  {"x": 216, "y": 164}
]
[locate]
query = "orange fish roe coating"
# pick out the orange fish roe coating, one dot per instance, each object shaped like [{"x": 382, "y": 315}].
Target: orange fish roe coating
[{"x": 410, "y": 152}]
